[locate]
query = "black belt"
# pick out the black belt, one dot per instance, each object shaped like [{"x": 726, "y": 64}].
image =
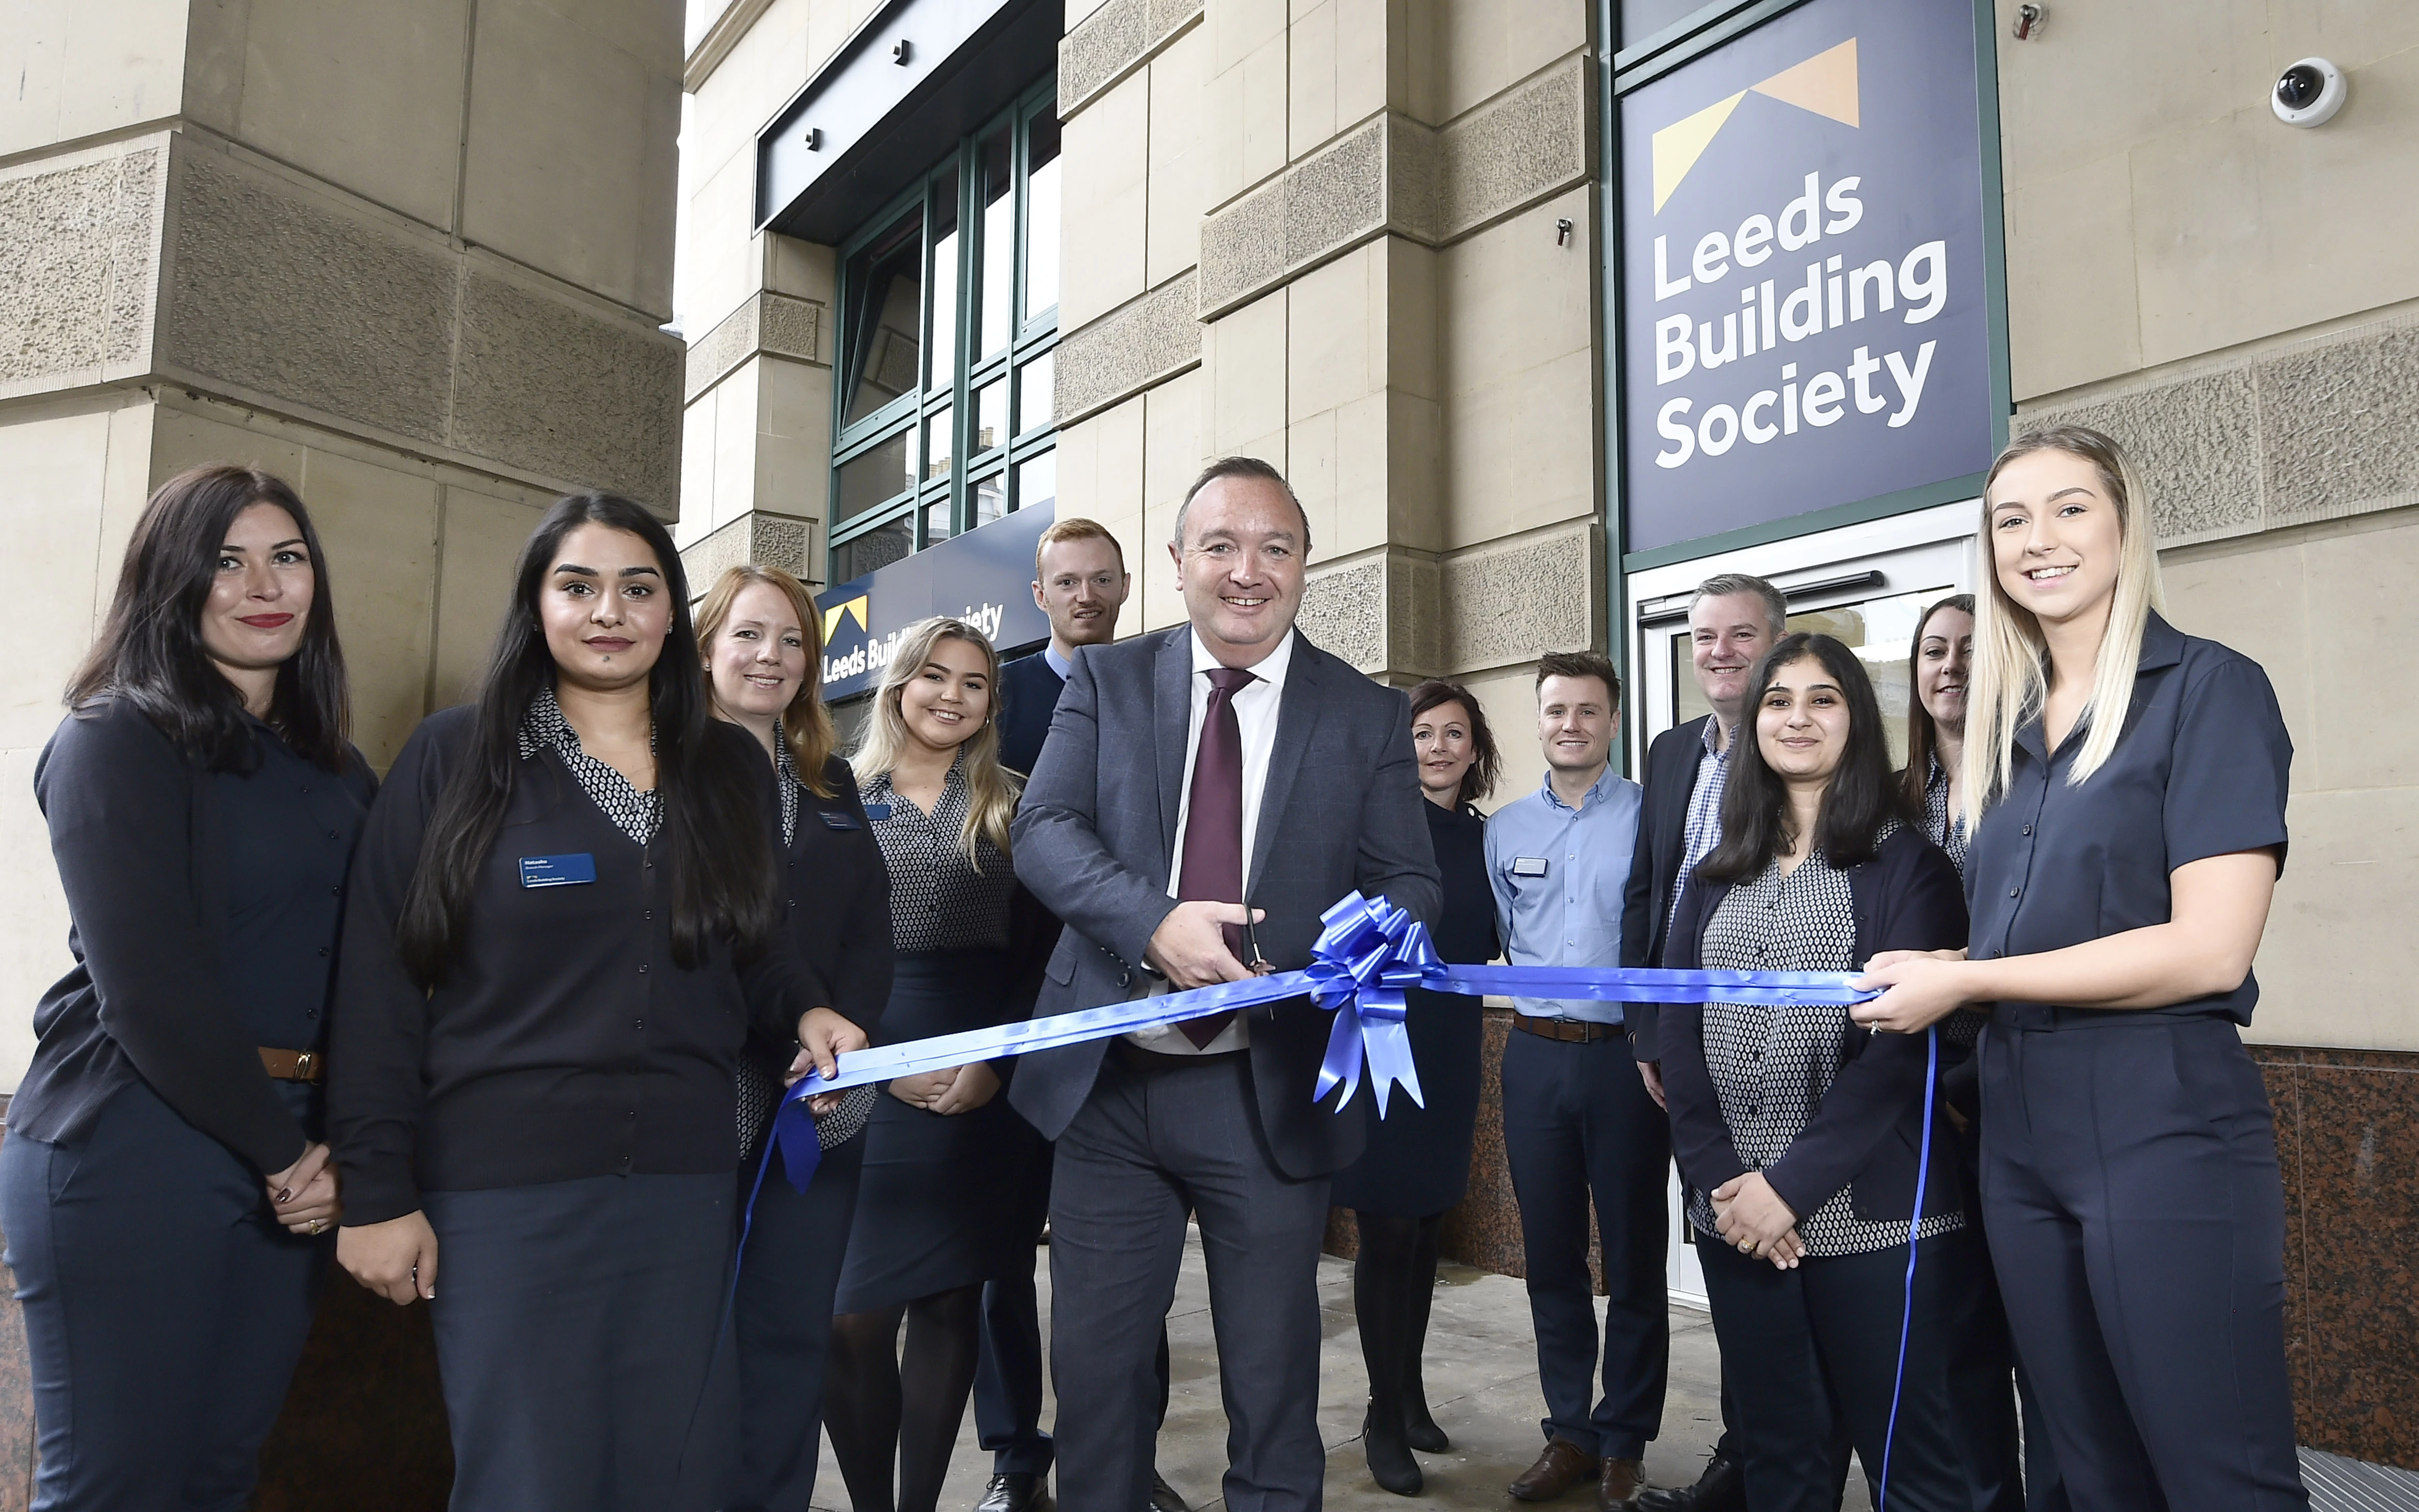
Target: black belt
[{"x": 1134, "y": 1058}]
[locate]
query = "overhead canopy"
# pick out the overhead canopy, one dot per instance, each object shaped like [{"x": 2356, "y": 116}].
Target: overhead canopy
[{"x": 877, "y": 123}]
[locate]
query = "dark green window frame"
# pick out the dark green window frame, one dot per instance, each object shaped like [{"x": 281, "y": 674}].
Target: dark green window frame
[{"x": 937, "y": 501}]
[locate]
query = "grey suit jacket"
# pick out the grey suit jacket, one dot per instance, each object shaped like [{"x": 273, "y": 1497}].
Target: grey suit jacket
[{"x": 1095, "y": 839}]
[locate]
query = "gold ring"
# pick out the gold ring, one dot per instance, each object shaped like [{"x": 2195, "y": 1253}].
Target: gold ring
[{"x": 318, "y": 1226}]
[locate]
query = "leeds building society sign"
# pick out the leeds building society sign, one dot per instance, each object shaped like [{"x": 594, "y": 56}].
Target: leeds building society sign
[{"x": 1804, "y": 298}]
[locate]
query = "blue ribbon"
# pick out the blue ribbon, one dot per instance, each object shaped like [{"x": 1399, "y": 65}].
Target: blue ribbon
[{"x": 1368, "y": 955}]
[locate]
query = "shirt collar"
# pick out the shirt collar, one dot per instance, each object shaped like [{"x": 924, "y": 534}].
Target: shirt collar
[
  {"x": 1713, "y": 736},
  {"x": 1063, "y": 666},
  {"x": 2163, "y": 644},
  {"x": 1595, "y": 794},
  {"x": 1272, "y": 668}
]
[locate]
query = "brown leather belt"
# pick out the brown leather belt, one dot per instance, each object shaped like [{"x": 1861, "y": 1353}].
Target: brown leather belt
[
  {"x": 295, "y": 1065},
  {"x": 1134, "y": 1058},
  {"x": 1569, "y": 1031}
]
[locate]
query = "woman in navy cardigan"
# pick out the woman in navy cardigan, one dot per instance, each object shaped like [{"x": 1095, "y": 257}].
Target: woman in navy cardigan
[{"x": 1798, "y": 1133}]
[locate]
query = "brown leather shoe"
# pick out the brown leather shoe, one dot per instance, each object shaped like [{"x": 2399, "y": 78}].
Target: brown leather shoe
[
  {"x": 1562, "y": 1465},
  {"x": 1618, "y": 1488}
]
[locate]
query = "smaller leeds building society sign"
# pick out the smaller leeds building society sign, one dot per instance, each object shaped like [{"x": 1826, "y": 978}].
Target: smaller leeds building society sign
[
  {"x": 984, "y": 577},
  {"x": 1805, "y": 307}
]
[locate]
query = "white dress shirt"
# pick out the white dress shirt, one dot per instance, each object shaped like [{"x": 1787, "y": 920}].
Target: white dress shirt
[{"x": 1255, "y": 718}]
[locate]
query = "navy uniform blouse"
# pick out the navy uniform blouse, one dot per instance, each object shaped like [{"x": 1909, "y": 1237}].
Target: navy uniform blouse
[
  {"x": 565, "y": 1041},
  {"x": 206, "y": 908},
  {"x": 2201, "y": 770}
]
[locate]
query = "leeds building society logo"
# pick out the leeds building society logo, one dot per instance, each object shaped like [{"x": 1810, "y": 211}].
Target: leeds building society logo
[
  {"x": 852, "y": 609},
  {"x": 1775, "y": 313}
]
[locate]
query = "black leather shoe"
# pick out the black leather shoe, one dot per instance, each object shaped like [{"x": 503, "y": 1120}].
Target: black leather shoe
[
  {"x": 1722, "y": 1489},
  {"x": 1419, "y": 1428},
  {"x": 1162, "y": 1495},
  {"x": 1014, "y": 1492}
]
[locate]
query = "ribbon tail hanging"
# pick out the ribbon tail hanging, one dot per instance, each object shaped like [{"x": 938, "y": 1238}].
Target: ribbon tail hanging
[
  {"x": 1387, "y": 1044},
  {"x": 1343, "y": 1060},
  {"x": 793, "y": 1135}
]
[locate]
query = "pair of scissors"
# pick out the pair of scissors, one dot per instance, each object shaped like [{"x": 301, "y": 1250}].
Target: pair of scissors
[{"x": 1258, "y": 964}]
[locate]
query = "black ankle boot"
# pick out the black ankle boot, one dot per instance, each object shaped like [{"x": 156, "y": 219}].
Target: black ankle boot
[
  {"x": 1390, "y": 1457},
  {"x": 1420, "y": 1429}
]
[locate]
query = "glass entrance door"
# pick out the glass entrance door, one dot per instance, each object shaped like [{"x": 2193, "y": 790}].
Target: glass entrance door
[{"x": 1867, "y": 585}]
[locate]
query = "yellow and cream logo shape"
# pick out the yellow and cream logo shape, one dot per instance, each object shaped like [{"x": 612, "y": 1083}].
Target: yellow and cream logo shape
[
  {"x": 1825, "y": 83},
  {"x": 853, "y": 609}
]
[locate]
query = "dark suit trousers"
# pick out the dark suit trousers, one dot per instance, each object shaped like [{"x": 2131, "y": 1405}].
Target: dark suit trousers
[
  {"x": 164, "y": 1311},
  {"x": 1144, "y": 1147},
  {"x": 1577, "y": 1124},
  {"x": 782, "y": 1317},
  {"x": 1007, "y": 1370},
  {"x": 1810, "y": 1356},
  {"x": 2136, "y": 1218}
]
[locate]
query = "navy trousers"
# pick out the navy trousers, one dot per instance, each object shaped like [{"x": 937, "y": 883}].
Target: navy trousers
[
  {"x": 1811, "y": 1357},
  {"x": 1007, "y": 1370},
  {"x": 575, "y": 1328},
  {"x": 1577, "y": 1122},
  {"x": 1144, "y": 1147},
  {"x": 2136, "y": 1218},
  {"x": 782, "y": 1319},
  {"x": 165, "y": 1310}
]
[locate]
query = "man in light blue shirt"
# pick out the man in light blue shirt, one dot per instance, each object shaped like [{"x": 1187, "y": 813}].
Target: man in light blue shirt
[{"x": 1577, "y": 1121}]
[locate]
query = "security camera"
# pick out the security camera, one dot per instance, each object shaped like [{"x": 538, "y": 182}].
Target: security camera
[{"x": 2310, "y": 92}]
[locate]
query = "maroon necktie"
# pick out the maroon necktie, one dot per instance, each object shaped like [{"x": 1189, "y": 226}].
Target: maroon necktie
[{"x": 1213, "y": 824}]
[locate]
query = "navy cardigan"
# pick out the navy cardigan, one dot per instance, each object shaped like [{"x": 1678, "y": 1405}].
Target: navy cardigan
[{"x": 1866, "y": 1129}]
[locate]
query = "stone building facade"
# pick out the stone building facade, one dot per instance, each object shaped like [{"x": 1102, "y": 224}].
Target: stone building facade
[{"x": 1366, "y": 241}]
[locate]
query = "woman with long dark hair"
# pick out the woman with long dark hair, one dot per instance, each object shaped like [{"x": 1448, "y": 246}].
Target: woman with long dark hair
[
  {"x": 947, "y": 1162},
  {"x": 2126, "y": 786},
  {"x": 1939, "y": 663},
  {"x": 566, "y": 917},
  {"x": 764, "y": 661},
  {"x": 1417, "y": 1162},
  {"x": 1799, "y": 1134},
  {"x": 164, "y": 1183}
]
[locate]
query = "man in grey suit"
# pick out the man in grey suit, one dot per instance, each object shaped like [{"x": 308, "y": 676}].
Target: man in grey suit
[{"x": 1188, "y": 773}]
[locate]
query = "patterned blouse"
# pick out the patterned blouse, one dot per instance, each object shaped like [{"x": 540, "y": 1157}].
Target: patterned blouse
[
  {"x": 1945, "y": 830},
  {"x": 1771, "y": 1066},
  {"x": 635, "y": 814},
  {"x": 937, "y": 901}
]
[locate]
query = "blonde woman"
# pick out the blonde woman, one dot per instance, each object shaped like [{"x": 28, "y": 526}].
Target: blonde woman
[
  {"x": 758, "y": 630},
  {"x": 2125, "y": 789},
  {"x": 946, "y": 1157}
]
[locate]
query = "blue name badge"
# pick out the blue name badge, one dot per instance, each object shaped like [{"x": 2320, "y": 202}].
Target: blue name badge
[
  {"x": 877, "y": 810},
  {"x": 835, "y": 820},
  {"x": 558, "y": 871}
]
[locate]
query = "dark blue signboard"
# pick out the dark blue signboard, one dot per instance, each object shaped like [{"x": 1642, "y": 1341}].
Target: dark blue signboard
[
  {"x": 984, "y": 576},
  {"x": 1805, "y": 298}
]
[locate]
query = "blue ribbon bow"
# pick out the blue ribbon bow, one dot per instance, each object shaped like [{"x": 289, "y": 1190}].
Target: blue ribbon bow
[{"x": 1368, "y": 954}]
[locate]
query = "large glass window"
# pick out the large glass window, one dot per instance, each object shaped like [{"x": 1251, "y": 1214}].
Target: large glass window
[{"x": 948, "y": 312}]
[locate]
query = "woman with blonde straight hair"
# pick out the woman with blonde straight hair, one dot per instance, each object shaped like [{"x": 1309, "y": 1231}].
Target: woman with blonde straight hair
[
  {"x": 2127, "y": 784},
  {"x": 757, "y": 628},
  {"x": 945, "y": 1158}
]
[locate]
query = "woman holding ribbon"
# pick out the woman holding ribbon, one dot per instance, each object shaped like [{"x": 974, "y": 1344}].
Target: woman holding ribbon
[
  {"x": 566, "y": 917},
  {"x": 946, "y": 1159},
  {"x": 1802, "y": 1139},
  {"x": 163, "y": 1185},
  {"x": 1417, "y": 1163},
  {"x": 764, "y": 659},
  {"x": 2125, "y": 785},
  {"x": 1981, "y": 1356}
]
